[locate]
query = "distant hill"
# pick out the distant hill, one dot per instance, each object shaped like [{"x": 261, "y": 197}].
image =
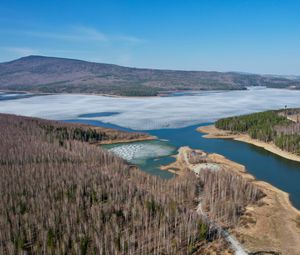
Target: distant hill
[{"x": 60, "y": 75}]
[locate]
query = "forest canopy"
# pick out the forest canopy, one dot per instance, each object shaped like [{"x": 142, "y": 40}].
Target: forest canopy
[{"x": 268, "y": 126}]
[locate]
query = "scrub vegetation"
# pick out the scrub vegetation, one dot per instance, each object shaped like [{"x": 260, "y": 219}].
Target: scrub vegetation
[{"x": 268, "y": 126}]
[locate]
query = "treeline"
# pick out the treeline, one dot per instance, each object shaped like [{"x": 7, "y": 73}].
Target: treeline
[
  {"x": 62, "y": 131},
  {"x": 115, "y": 89},
  {"x": 268, "y": 126},
  {"x": 85, "y": 133},
  {"x": 257, "y": 125},
  {"x": 60, "y": 195}
]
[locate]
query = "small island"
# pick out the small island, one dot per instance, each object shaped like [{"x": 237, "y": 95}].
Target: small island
[{"x": 277, "y": 131}]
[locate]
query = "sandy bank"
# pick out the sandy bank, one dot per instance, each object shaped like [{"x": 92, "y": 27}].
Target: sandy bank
[
  {"x": 182, "y": 164},
  {"x": 272, "y": 224},
  {"x": 213, "y": 132}
]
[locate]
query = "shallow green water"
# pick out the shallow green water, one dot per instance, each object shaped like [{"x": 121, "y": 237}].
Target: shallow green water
[{"x": 148, "y": 155}]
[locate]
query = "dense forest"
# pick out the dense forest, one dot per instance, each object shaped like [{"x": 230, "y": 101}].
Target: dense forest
[
  {"x": 281, "y": 127},
  {"x": 62, "y": 195}
]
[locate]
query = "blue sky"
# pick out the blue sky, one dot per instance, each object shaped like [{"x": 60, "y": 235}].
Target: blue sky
[{"x": 258, "y": 36}]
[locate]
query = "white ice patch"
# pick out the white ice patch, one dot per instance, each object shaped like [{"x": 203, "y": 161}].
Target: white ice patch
[
  {"x": 155, "y": 112},
  {"x": 10, "y": 95},
  {"x": 141, "y": 151}
]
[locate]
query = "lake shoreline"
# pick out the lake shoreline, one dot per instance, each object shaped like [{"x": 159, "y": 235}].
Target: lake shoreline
[
  {"x": 212, "y": 132},
  {"x": 160, "y": 94},
  {"x": 271, "y": 224}
]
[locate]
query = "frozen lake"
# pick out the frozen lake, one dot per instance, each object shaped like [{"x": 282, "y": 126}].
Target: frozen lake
[{"x": 153, "y": 112}]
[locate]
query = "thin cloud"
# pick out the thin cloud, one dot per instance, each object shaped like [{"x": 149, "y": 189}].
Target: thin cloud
[
  {"x": 91, "y": 33},
  {"x": 79, "y": 34},
  {"x": 130, "y": 39},
  {"x": 76, "y": 34}
]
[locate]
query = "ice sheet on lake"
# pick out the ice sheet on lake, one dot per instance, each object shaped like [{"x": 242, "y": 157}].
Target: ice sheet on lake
[
  {"x": 142, "y": 150},
  {"x": 155, "y": 112}
]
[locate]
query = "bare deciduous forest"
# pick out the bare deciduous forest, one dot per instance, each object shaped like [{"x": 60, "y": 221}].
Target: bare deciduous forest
[
  {"x": 60, "y": 195},
  {"x": 225, "y": 195}
]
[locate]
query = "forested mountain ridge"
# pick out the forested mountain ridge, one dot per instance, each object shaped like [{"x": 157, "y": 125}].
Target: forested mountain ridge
[
  {"x": 59, "y": 75},
  {"x": 282, "y": 127}
]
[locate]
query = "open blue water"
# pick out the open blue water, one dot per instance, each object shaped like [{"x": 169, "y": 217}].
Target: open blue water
[
  {"x": 97, "y": 114},
  {"x": 282, "y": 173}
]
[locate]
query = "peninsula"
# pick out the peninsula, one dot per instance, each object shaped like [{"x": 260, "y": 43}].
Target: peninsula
[{"x": 275, "y": 131}]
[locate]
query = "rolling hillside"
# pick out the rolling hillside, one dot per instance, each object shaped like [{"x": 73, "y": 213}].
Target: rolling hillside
[{"x": 59, "y": 75}]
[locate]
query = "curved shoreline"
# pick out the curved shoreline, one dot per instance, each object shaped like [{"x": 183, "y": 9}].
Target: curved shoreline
[
  {"x": 271, "y": 224},
  {"x": 212, "y": 132}
]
